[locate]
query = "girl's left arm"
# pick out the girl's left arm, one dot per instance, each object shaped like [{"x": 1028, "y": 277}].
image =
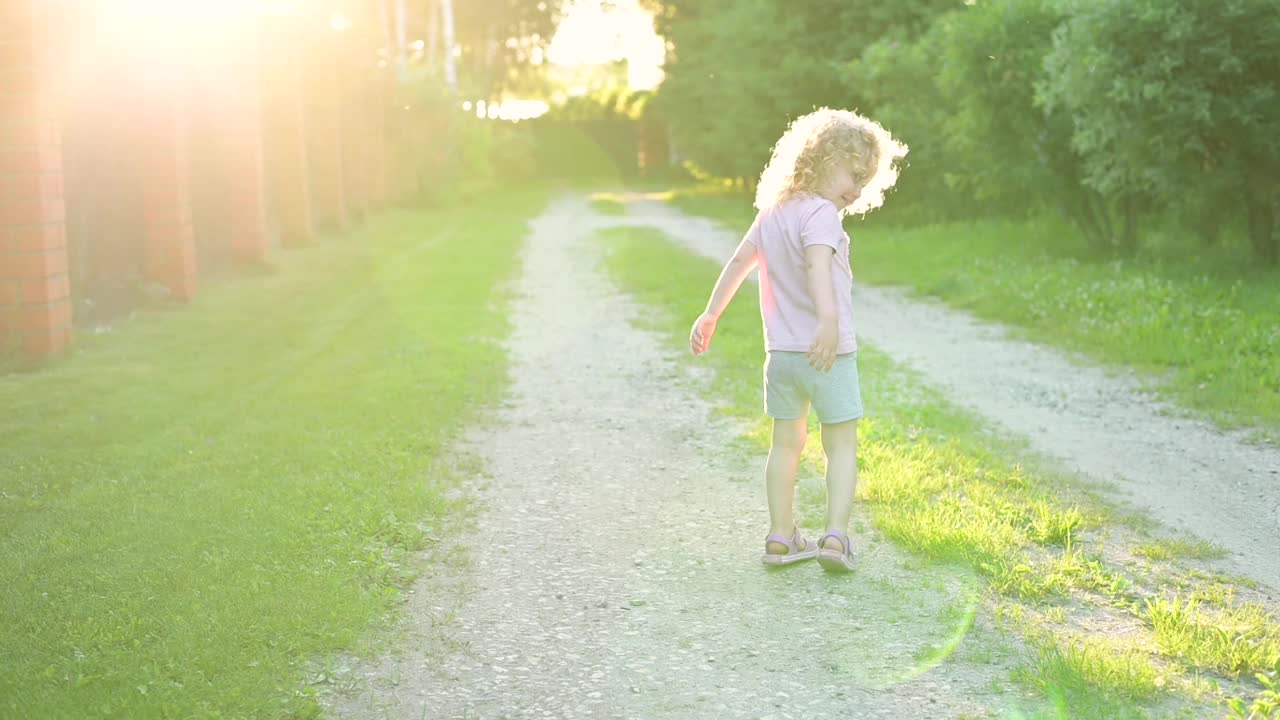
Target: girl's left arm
[{"x": 744, "y": 260}]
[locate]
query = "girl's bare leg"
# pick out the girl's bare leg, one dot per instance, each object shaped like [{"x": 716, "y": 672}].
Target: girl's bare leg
[
  {"x": 840, "y": 443},
  {"x": 780, "y": 477}
]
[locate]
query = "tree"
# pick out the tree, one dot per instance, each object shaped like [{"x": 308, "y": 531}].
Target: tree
[
  {"x": 498, "y": 40},
  {"x": 739, "y": 70},
  {"x": 895, "y": 81},
  {"x": 1004, "y": 147},
  {"x": 1174, "y": 102}
]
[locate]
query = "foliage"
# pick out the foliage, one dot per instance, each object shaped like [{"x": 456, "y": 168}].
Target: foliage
[
  {"x": 498, "y": 40},
  {"x": 1123, "y": 115},
  {"x": 1266, "y": 705},
  {"x": 480, "y": 156},
  {"x": 1175, "y": 101},
  {"x": 600, "y": 136},
  {"x": 990, "y": 57},
  {"x": 897, "y": 83},
  {"x": 728, "y": 102}
]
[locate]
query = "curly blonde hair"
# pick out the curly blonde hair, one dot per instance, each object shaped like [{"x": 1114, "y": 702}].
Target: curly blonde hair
[{"x": 816, "y": 144}]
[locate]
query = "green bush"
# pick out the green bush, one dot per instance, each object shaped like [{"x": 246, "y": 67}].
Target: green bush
[
  {"x": 896, "y": 83},
  {"x": 1130, "y": 116},
  {"x": 1174, "y": 102},
  {"x": 600, "y": 136},
  {"x": 471, "y": 156},
  {"x": 991, "y": 57}
]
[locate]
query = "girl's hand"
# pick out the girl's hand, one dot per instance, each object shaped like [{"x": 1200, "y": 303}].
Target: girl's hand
[
  {"x": 700, "y": 336},
  {"x": 822, "y": 353}
]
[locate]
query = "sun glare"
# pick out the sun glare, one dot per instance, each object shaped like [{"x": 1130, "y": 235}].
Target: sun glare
[
  {"x": 149, "y": 27},
  {"x": 161, "y": 22},
  {"x": 593, "y": 34},
  {"x": 509, "y": 109},
  {"x": 339, "y": 22},
  {"x": 150, "y": 39}
]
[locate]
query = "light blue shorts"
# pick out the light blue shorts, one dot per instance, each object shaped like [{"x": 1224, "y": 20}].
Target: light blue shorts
[{"x": 790, "y": 385}]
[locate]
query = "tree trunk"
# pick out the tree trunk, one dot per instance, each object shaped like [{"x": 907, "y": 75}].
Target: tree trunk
[
  {"x": 1081, "y": 207},
  {"x": 450, "y": 67},
  {"x": 1128, "y": 239},
  {"x": 433, "y": 35},
  {"x": 1209, "y": 227},
  {"x": 491, "y": 91},
  {"x": 1089, "y": 213},
  {"x": 1261, "y": 212},
  {"x": 399, "y": 36}
]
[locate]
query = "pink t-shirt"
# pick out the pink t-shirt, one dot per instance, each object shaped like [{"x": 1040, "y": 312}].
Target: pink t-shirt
[{"x": 780, "y": 235}]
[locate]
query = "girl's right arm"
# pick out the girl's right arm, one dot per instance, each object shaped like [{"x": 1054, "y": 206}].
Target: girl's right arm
[
  {"x": 735, "y": 271},
  {"x": 818, "y": 260}
]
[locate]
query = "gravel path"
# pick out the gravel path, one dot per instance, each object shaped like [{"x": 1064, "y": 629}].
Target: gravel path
[
  {"x": 1189, "y": 475},
  {"x": 614, "y": 550}
]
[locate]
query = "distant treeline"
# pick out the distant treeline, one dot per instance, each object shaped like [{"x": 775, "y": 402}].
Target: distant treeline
[{"x": 1121, "y": 114}]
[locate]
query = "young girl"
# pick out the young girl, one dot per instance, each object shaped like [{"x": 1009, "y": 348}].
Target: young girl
[{"x": 828, "y": 163}]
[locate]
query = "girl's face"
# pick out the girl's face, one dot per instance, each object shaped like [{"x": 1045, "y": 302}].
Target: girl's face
[{"x": 843, "y": 186}]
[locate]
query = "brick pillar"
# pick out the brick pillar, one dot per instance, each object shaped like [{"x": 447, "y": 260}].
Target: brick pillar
[
  {"x": 166, "y": 181},
  {"x": 398, "y": 154},
  {"x": 325, "y": 131},
  {"x": 408, "y": 144},
  {"x": 355, "y": 138},
  {"x": 398, "y": 158},
  {"x": 244, "y": 181},
  {"x": 286, "y": 135},
  {"x": 379, "y": 182},
  {"x": 35, "y": 289}
]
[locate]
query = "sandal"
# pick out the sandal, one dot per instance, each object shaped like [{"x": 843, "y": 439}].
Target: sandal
[
  {"x": 798, "y": 549},
  {"x": 838, "y": 561}
]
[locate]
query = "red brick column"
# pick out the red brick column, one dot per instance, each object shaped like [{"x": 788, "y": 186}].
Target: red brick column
[
  {"x": 396, "y": 153},
  {"x": 286, "y": 135},
  {"x": 355, "y": 138},
  {"x": 407, "y": 143},
  {"x": 166, "y": 182},
  {"x": 325, "y": 131},
  {"x": 244, "y": 180},
  {"x": 379, "y": 182},
  {"x": 35, "y": 290}
]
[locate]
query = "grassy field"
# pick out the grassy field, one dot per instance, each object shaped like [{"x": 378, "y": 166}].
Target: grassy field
[
  {"x": 1203, "y": 327},
  {"x": 1114, "y": 634},
  {"x": 198, "y": 502}
]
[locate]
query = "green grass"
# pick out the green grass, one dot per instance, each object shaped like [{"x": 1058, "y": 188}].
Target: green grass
[
  {"x": 1170, "y": 548},
  {"x": 1088, "y": 678},
  {"x": 934, "y": 481},
  {"x": 1263, "y": 705},
  {"x": 197, "y": 503},
  {"x": 1245, "y": 638},
  {"x": 1205, "y": 330}
]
